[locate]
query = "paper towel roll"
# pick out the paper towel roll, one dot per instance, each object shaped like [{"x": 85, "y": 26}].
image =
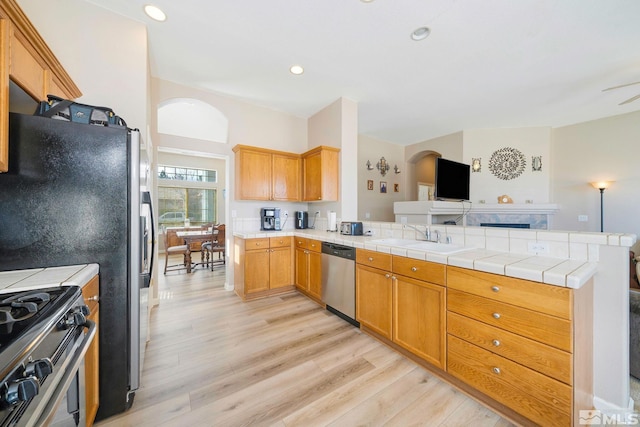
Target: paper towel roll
[{"x": 331, "y": 221}]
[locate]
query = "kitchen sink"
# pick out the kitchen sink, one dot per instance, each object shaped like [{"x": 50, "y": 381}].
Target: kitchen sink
[
  {"x": 393, "y": 242},
  {"x": 441, "y": 248}
]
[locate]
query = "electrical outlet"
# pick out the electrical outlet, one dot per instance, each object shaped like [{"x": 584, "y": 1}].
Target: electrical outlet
[
  {"x": 286, "y": 213},
  {"x": 538, "y": 247},
  {"x": 234, "y": 213},
  {"x": 583, "y": 218},
  {"x": 403, "y": 220},
  {"x": 367, "y": 215}
]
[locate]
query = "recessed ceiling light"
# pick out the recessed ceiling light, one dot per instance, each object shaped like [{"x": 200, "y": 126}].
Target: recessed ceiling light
[
  {"x": 366, "y": 1},
  {"x": 420, "y": 33},
  {"x": 155, "y": 13},
  {"x": 296, "y": 69}
]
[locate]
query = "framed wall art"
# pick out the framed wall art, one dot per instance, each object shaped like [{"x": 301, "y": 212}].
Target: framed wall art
[
  {"x": 369, "y": 184},
  {"x": 383, "y": 186}
]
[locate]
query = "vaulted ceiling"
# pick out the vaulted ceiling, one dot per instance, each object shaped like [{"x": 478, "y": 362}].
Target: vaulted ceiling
[{"x": 485, "y": 64}]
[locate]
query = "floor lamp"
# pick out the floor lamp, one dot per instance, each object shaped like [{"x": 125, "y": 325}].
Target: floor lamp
[{"x": 601, "y": 185}]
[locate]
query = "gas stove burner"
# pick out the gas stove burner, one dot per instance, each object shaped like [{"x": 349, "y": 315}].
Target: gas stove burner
[
  {"x": 20, "y": 307},
  {"x": 34, "y": 296}
]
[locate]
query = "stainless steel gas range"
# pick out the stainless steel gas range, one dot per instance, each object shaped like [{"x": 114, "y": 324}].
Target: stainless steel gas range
[{"x": 44, "y": 335}]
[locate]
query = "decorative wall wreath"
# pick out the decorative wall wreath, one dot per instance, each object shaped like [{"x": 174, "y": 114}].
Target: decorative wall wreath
[{"x": 507, "y": 163}]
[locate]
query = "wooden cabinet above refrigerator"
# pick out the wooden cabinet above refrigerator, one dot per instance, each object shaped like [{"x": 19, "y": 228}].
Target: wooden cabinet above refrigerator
[{"x": 29, "y": 65}]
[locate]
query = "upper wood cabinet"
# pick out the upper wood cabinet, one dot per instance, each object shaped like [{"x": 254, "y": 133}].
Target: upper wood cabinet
[
  {"x": 320, "y": 174},
  {"x": 26, "y": 60},
  {"x": 263, "y": 174}
]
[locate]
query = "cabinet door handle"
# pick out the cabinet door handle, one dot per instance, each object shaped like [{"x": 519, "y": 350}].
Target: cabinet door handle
[
  {"x": 387, "y": 275},
  {"x": 495, "y": 289},
  {"x": 394, "y": 278},
  {"x": 496, "y": 315},
  {"x": 370, "y": 259},
  {"x": 94, "y": 298},
  {"x": 257, "y": 243},
  {"x": 496, "y": 343},
  {"x": 414, "y": 268},
  {"x": 496, "y": 370}
]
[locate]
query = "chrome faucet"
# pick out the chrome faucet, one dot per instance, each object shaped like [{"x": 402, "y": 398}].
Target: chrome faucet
[{"x": 426, "y": 233}]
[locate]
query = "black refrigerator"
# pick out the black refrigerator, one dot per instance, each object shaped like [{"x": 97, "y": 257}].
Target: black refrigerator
[{"x": 72, "y": 196}]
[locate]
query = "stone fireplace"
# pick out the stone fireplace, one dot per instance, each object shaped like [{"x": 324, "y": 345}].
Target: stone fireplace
[{"x": 536, "y": 216}]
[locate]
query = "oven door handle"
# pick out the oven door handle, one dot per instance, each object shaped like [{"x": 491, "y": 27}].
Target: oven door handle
[{"x": 49, "y": 411}]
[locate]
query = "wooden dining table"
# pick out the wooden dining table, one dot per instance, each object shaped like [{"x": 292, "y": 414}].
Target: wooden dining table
[{"x": 196, "y": 236}]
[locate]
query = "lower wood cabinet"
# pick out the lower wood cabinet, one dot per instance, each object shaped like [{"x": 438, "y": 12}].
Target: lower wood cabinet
[
  {"x": 264, "y": 266},
  {"x": 404, "y": 310},
  {"x": 537, "y": 397},
  {"x": 374, "y": 299},
  {"x": 514, "y": 341},
  {"x": 308, "y": 267},
  {"x": 91, "y": 294},
  {"x": 419, "y": 316}
]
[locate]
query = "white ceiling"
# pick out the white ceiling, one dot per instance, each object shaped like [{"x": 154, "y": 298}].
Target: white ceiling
[{"x": 486, "y": 64}]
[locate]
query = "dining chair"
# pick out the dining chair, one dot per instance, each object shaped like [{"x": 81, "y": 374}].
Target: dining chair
[
  {"x": 173, "y": 250},
  {"x": 217, "y": 245}
]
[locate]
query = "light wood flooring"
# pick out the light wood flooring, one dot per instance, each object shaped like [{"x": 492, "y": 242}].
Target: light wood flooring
[{"x": 214, "y": 360}]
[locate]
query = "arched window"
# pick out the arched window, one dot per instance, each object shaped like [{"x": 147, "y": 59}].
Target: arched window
[{"x": 192, "y": 118}]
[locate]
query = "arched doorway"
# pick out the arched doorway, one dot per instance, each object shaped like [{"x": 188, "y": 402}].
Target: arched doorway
[{"x": 421, "y": 175}]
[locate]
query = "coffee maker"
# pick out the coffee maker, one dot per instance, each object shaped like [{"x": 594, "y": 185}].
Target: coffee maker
[
  {"x": 270, "y": 219},
  {"x": 302, "y": 220}
]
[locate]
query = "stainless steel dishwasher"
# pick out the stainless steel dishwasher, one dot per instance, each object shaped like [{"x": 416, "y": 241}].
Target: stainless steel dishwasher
[{"x": 339, "y": 280}]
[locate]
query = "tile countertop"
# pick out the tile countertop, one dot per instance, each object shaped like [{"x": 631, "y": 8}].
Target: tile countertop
[
  {"x": 37, "y": 278},
  {"x": 563, "y": 272}
]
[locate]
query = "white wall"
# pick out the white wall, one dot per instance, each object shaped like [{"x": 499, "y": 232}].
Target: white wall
[
  {"x": 248, "y": 125},
  {"x": 378, "y": 205},
  {"x": 104, "y": 53},
  {"x": 482, "y": 143},
  {"x": 336, "y": 125},
  {"x": 604, "y": 149}
]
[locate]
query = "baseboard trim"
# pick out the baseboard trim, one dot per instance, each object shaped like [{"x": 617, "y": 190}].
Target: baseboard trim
[{"x": 610, "y": 408}]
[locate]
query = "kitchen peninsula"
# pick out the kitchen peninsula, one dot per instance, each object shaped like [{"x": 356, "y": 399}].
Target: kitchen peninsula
[{"x": 535, "y": 266}]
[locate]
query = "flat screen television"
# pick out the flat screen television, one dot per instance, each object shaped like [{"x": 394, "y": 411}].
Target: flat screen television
[{"x": 452, "y": 180}]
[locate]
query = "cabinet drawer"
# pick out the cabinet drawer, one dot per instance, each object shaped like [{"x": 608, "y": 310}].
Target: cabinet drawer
[
  {"x": 553, "y": 300},
  {"x": 421, "y": 270},
  {"x": 91, "y": 293},
  {"x": 539, "y": 357},
  {"x": 260, "y": 243},
  {"x": 373, "y": 259},
  {"x": 537, "y": 397},
  {"x": 301, "y": 242},
  {"x": 280, "y": 242},
  {"x": 314, "y": 245},
  {"x": 531, "y": 324}
]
